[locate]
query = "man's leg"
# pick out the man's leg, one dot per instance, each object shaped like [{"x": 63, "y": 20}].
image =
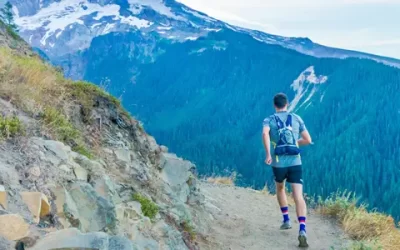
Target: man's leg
[
  {"x": 280, "y": 176},
  {"x": 295, "y": 178},
  {"x": 301, "y": 208}
]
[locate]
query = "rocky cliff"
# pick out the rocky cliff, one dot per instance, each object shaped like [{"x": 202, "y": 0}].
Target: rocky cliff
[{"x": 78, "y": 172}]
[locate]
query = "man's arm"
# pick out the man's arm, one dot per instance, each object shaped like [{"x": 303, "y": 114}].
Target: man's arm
[
  {"x": 267, "y": 144},
  {"x": 305, "y": 138},
  {"x": 266, "y": 140}
]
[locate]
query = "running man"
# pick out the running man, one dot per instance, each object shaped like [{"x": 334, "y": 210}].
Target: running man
[{"x": 286, "y": 132}]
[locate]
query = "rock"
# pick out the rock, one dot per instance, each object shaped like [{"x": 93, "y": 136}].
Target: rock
[
  {"x": 131, "y": 210},
  {"x": 54, "y": 151},
  {"x": 65, "y": 168},
  {"x": 164, "y": 149},
  {"x": 123, "y": 156},
  {"x": 73, "y": 238},
  {"x": 13, "y": 227},
  {"x": 107, "y": 189},
  {"x": 93, "y": 211},
  {"x": 80, "y": 173},
  {"x": 37, "y": 204},
  {"x": 34, "y": 172},
  {"x": 176, "y": 173},
  {"x": 5, "y": 244},
  {"x": 65, "y": 205},
  {"x": 3, "y": 197}
]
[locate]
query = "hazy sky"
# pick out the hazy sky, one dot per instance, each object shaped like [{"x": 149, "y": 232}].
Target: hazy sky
[{"x": 365, "y": 25}]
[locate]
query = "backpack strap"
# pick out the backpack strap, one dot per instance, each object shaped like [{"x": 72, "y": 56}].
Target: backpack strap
[
  {"x": 289, "y": 120},
  {"x": 279, "y": 122}
]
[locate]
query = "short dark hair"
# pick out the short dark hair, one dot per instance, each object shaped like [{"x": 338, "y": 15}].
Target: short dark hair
[{"x": 280, "y": 100}]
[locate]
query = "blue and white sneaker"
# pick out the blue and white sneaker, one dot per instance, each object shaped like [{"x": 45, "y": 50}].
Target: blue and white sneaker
[{"x": 303, "y": 239}]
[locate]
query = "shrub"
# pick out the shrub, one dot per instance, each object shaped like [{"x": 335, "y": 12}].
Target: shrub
[
  {"x": 58, "y": 124},
  {"x": 188, "y": 228},
  {"x": 371, "y": 229},
  {"x": 10, "y": 127},
  {"x": 149, "y": 208}
]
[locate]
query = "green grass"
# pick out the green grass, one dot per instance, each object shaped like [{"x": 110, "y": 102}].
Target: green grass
[
  {"x": 149, "y": 208},
  {"x": 188, "y": 228},
  {"x": 10, "y": 127},
  {"x": 64, "y": 131},
  {"x": 59, "y": 125}
]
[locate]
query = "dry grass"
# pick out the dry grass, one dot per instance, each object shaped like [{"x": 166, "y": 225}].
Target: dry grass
[
  {"x": 371, "y": 230},
  {"x": 42, "y": 92},
  {"x": 221, "y": 181}
]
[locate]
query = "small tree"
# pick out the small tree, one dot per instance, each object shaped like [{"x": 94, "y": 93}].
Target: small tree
[{"x": 7, "y": 16}]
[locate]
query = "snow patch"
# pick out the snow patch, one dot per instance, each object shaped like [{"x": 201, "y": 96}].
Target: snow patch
[
  {"x": 95, "y": 25},
  {"x": 108, "y": 28},
  {"x": 307, "y": 80},
  {"x": 212, "y": 30},
  {"x": 134, "y": 21},
  {"x": 191, "y": 38},
  {"x": 164, "y": 28},
  {"x": 136, "y": 7},
  {"x": 56, "y": 17}
]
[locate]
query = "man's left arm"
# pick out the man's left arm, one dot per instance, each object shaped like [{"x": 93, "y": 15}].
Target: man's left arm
[{"x": 305, "y": 135}]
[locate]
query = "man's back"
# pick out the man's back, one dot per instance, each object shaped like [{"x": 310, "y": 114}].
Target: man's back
[{"x": 297, "y": 127}]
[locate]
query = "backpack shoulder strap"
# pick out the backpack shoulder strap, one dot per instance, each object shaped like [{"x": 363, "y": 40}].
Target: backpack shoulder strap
[
  {"x": 279, "y": 122},
  {"x": 289, "y": 120}
]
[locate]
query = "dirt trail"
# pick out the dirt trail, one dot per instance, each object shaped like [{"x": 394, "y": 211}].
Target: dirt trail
[{"x": 249, "y": 219}]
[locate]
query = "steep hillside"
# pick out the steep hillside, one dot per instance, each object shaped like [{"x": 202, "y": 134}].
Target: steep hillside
[{"x": 78, "y": 172}]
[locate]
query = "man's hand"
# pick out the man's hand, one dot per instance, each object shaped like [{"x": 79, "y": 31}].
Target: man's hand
[{"x": 268, "y": 160}]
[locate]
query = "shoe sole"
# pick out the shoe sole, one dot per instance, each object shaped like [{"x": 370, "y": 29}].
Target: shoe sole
[
  {"x": 303, "y": 241},
  {"x": 285, "y": 227}
]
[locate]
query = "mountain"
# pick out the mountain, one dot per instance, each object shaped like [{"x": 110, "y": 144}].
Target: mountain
[{"x": 203, "y": 87}]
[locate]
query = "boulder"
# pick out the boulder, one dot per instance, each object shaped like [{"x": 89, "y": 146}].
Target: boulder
[
  {"x": 80, "y": 173},
  {"x": 106, "y": 188},
  {"x": 123, "y": 157},
  {"x": 176, "y": 173},
  {"x": 3, "y": 197},
  {"x": 94, "y": 212},
  {"x": 13, "y": 227},
  {"x": 73, "y": 238},
  {"x": 37, "y": 204}
]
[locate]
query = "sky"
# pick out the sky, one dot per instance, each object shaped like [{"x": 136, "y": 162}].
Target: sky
[{"x": 371, "y": 26}]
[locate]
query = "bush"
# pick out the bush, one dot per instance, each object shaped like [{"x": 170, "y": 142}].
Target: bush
[
  {"x": 58, "y": 124},
  {"x": 188, "y": 228},
  {"x": 10, "y": 127},
  {"x": 149, "y": 208},
  {"x": 371, "y": 229}
]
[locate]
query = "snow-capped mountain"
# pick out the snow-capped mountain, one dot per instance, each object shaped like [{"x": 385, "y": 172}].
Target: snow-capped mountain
[{"x": 66, "y": 26}]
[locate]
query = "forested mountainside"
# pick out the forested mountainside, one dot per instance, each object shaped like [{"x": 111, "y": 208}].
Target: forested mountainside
[
  {"x": 208, "y": 104},
  {"x": 203, "y": 87}
]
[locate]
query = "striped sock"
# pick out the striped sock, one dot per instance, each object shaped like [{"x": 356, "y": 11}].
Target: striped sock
[
  {"x": 302, "y": 221},
  {"x": 285, "y": 213}
]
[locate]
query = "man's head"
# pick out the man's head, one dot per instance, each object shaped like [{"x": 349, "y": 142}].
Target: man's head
[{"x": 281, "y": 101}]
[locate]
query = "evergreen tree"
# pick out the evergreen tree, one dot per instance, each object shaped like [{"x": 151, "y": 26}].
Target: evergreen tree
[{"x": 7, "y": 16}]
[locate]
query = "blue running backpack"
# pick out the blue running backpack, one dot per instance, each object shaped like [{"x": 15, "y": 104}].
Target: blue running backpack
[{"x": 287, "y": 143}]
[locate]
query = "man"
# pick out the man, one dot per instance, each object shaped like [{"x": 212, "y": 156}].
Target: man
[{"x": 286, "y": 131}]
